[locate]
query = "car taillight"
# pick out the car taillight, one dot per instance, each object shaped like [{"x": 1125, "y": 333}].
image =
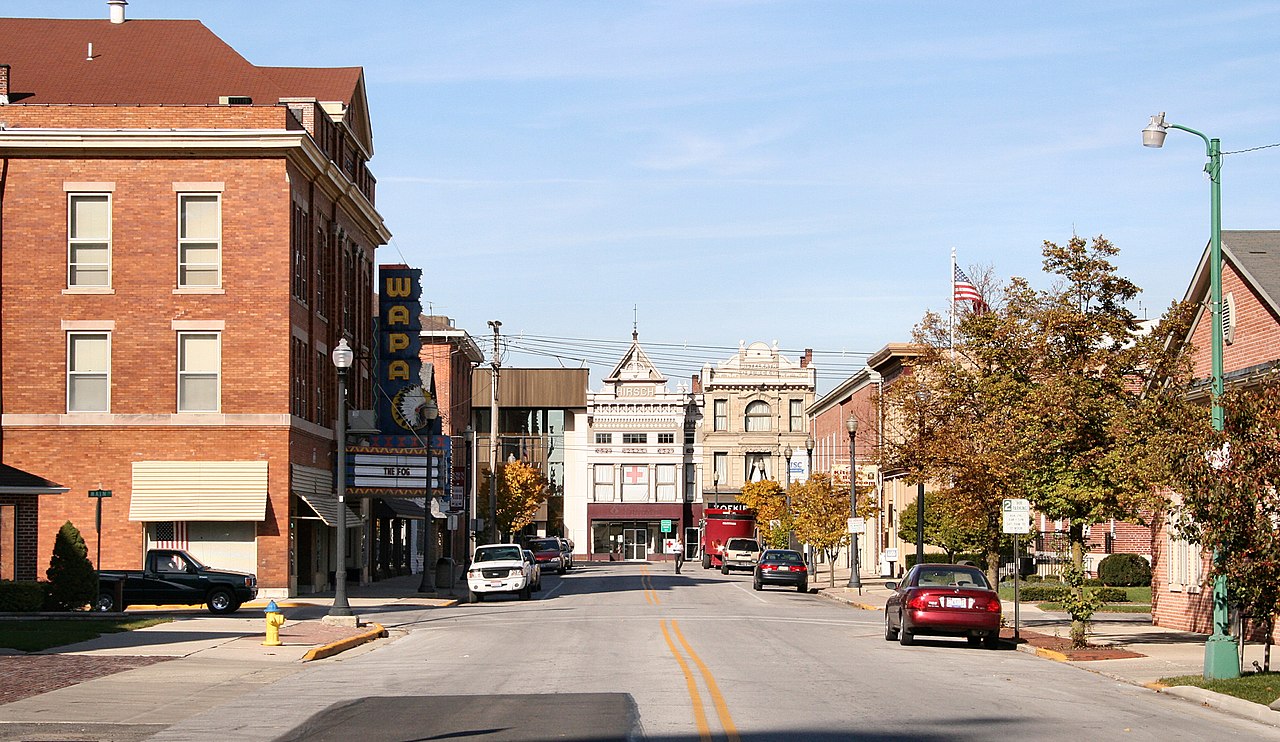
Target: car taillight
[
  {"x": 993, "y": 606},
  {"x": 799, "y": 568},
  {"x": 917, "y": 602}
]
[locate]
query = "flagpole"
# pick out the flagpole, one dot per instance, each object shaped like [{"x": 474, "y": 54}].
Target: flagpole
[{"x": 952, "y": 321}]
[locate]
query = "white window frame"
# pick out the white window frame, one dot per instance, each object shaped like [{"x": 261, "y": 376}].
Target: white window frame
[
  {"x": 1184, "y": 568},
  {"x": 184, "y": 241},
  {"x": 185, "y": 374},
  {"x": 74, "y": 240},
  {"x": 666, "y": 439},
  {"x": 720, "y": 466},
  {"x": 73, "y": 374},
  {"x": 665, "y": 482},
  {"x": 719, "y": 414},
  {"x": 635, "y": 439},
  {"x": 602, "y": 489},
  {"x": 797, "y": 415},
  {"x": 604, "y": 439},
  {"x": 752, "y": 418}
]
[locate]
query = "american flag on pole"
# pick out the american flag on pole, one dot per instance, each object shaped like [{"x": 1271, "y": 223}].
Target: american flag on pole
[
  {"x": 170, "y": 535},
  {"x": 962, "y": 289}
]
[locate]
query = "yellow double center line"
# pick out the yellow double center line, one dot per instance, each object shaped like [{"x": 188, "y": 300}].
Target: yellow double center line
[
  {"x": 646, "y": 583},
  {"x": 699, "y": 711}
]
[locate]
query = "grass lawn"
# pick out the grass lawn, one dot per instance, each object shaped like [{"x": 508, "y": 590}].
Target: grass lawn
[
  {"x": 1108, "y": 608},
  {"x": 1139, "y": 598},
  {"x": 32, "y": 636},
  {"x": 1259, "y": 687}
]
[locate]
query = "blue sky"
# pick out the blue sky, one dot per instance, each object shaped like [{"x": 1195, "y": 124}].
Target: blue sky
[{"x": 793, "y": 170}]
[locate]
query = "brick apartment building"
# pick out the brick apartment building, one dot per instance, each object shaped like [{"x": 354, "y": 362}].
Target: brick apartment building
[
  {"x": 1181, "y": 593},
  {"x": 186, "y": 236}
]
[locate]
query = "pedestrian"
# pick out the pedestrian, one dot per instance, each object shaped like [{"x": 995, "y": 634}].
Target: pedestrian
[{"x": 679, "y": 547}]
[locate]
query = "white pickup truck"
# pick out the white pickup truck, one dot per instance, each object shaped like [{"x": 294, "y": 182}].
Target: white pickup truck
[{"x": 497, "y": 569}]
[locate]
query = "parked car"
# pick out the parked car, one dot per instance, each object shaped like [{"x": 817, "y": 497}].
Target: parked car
[
  {"x": 498, "y": 569},
  {"x": 535, "y": 569},
  {"x": 943, "y": 600},
  {"x": 566, "y": 550},
  {"x": 739, "y": 553},
  {"x": 170, "y": 576},
  {"x": 781, "y": 567},
  {"x": 547, "y": 553}
]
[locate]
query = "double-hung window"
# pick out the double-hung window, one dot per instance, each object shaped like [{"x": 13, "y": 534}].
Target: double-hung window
[
  {"x": 666, "y": 484},
  {"x": 797, "y": 416},
  {"x": 88, "y": 240},
  {"x": 88, "y": 372},
  {"x": 199, "y": 240},
  {"x": 759, "y": 419},
  {"x": 720, "y": 414},
  {"x": 603, "y": 483},
  {"x": 199, "y": 371}
]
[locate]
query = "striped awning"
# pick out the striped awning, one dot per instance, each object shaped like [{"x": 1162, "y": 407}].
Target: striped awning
[
  {"x": 315, "y": 487},
  {"x": 199, "y": 491}
]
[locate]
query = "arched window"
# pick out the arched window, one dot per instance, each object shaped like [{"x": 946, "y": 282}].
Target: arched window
[{"x": 759, "y": 419}]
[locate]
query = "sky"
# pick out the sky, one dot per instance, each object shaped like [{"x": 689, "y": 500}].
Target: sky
[{"x": 798, "y": 171}]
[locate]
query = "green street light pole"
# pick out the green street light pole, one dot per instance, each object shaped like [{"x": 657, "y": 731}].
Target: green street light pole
[{"x": 1220, "y": 658}]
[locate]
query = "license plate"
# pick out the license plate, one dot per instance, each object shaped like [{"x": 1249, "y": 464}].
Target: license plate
[
  {"x": 784, "y": 569},
  {"x": 493, "y": 584},
  {"x": 948, "y": 602}
]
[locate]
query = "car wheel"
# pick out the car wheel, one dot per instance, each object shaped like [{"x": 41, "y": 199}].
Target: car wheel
[
  {"x": 889, "y": 633},
  {"x": 757, "y": 584},
  {"x": 991, "y": 641},
  {"x": 974, "y": 641},
  {"x": 106, "y": 603},
  {"x": 802, "y": 587},
  {"x": 222, "y": 601},
  {"x": 475, "y": 597},
  {"x": 724, "y": 568},
  {"x": 905, "y": 638},
  {"x": 706, "y": 561},
  {"x": 525, "y": 593}
]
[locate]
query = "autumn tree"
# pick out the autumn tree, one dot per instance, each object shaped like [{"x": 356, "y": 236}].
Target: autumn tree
[
  {"x": 943, "y": 527},
  {"x": 522, "y": 489},
  {"x": 820, "y": 511},
  {"x": 769, "y": 502},
  {"x": 1230, "y": 487}
]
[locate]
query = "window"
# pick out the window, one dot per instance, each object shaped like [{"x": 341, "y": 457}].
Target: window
[
  {"x": 757, "y": 417},
  {"x": 604, "y": 439},
  {"x": 757, "y": 469},
  {"x": 199, "y": 240},
  {"x": 721, "y": 468},
  {"x": 88, "y": 239},
  {"x": 797, "y": 416},
  {"x": 635, "y": 483},
  {"x": 689, "y": 439},
  {"x": 1185, "y": 562},
  {"x": 666, "y": 438},
  {"x": 690, "y": 482},
  {"x": 603, "y": 482},
  {"x": 720, "y": 414},
  {"x": 199, "y": 363},
  {"x": 300, "y": 237},
  {"x": 666, "y": 484},
  {"x": 635, "y": 438},
  {"x": 88, "y": 372}
]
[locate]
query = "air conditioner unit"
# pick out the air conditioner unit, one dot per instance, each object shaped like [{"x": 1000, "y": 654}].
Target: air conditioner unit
[{"x": 235, "y": 100}]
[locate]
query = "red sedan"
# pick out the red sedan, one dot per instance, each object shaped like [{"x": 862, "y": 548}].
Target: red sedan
[{"x": 943, "y": 600}]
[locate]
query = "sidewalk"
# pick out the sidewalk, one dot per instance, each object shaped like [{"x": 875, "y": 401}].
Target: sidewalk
[
  {"x": 1163, "y": 653},
  {"x": 135, "y": 682}
]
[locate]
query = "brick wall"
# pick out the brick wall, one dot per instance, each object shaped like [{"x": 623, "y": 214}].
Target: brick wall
[
  {"x": 149, "y": 117},
  {"x": 26, "y": 557}
]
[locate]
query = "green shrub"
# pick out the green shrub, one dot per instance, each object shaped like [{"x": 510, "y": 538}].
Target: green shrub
[
  {"x": 1042, "y": 593},
  {"x": 1125, "y": 570},
  {"x": 1112, "y": 594},
  {"x": 978, "y": 560},
  {"x": 21, "y": 597},
  {"x": 72, "y": 582},
  {"x": 1094, "y": 582}
]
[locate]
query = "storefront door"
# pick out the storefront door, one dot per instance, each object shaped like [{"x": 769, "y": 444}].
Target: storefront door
[{"x": 635, "y": 544}]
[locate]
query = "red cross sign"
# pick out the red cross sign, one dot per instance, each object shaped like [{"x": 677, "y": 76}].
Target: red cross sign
[{"x": 636, "y": 474}]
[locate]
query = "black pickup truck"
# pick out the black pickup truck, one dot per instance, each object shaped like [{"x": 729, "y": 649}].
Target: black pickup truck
[{"x": 174, "y": 577}]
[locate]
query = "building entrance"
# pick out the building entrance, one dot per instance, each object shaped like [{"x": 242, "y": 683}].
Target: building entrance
[{"x": 635, "y": 544}]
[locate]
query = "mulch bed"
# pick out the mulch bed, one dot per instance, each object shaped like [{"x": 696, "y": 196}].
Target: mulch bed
[
  {"x": 23, "y": 676},
  {"x": 1062, "y": 645}
]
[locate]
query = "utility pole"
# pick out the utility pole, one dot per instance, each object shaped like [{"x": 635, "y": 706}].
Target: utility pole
[{"x": 495, "y": 362}]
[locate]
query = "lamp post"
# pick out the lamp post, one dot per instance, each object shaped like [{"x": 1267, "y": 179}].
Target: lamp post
[
  {"x": 1220, "y": 658},
  {"x": 855, "y": 566},
  {"x": 428, "y": 583},
  {"x": 715, "y": 478},
  {"x": 921, "y": 398},
  {"x": 791, "y": 531},
  {"x": 342, "y": 359}
]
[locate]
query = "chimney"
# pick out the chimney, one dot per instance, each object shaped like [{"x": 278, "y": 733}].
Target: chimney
[
  {"x": 807, "y": 359},
  {"x": 4, "y": 84},
  {"x": 696, "y": 386},
  {"x": 117, "y": 10}
]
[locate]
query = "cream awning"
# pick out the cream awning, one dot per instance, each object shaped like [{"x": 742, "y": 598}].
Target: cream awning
[
  {"x": 315, "y": 487},
  {"x": 199, "y": 491}
]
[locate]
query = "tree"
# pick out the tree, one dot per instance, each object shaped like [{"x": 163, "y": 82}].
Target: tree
[
  {"x": 769, "y": 502},
  {"x": 521, "y": 491},
  {"x": 73, "y": 583},
  {"x": 820, "y": 509},
  {"x": 943, "y": 527},
  {"x": 1230, "y": 487}
]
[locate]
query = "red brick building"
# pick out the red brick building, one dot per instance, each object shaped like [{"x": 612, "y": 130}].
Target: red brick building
[
  {"x": 186, "y": 237},
  {"x": 1181, "y": 594}
]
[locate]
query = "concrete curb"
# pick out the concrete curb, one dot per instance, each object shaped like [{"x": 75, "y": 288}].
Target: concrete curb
[
  {"x": 846, "y": 601},
  {"x": 1222, "y": 702},
  {"x": 328, "y": 650}
]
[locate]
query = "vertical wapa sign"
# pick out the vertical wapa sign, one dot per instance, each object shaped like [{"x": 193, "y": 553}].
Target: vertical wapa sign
[{"x": 402, "y": 396}]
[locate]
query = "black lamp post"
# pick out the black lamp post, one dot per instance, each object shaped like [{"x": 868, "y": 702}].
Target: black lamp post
[
  {"x": 428, "y": 582},
  {"x": 342, "y": 359},
  {"x": 791, "y": 531},
  {"x": 855, "y": 580},
  {"x": 923, "y": 396}
]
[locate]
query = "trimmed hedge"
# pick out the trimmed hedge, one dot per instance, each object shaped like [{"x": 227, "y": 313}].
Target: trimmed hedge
[
  {"x": 1125, "y": 570},
  {"x": 1042, "y": 593},
  {"x": 22, "y": 597},
  {"x": 1112, "y": 594},
  {"x": 979, "y": 560}
]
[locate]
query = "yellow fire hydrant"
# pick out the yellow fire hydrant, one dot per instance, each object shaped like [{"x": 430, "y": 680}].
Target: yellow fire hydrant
[{"x": 275, "y": 619}]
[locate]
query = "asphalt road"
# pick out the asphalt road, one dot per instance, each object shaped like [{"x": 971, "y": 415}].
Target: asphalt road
[{"x": 616, "y": 651}]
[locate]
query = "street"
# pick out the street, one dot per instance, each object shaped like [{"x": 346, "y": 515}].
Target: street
[{"x": 613, "y": 651}]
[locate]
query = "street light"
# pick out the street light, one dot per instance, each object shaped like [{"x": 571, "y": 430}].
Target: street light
[
  {"x": 342, "y": 358},
  {"x": 1220, "y": 659},
  {"x": 921, "y": 397},
  {"x": 791, "y": 531},
  {"x": 855, "y": 580},
  {"x": 428, "y": 582}
]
